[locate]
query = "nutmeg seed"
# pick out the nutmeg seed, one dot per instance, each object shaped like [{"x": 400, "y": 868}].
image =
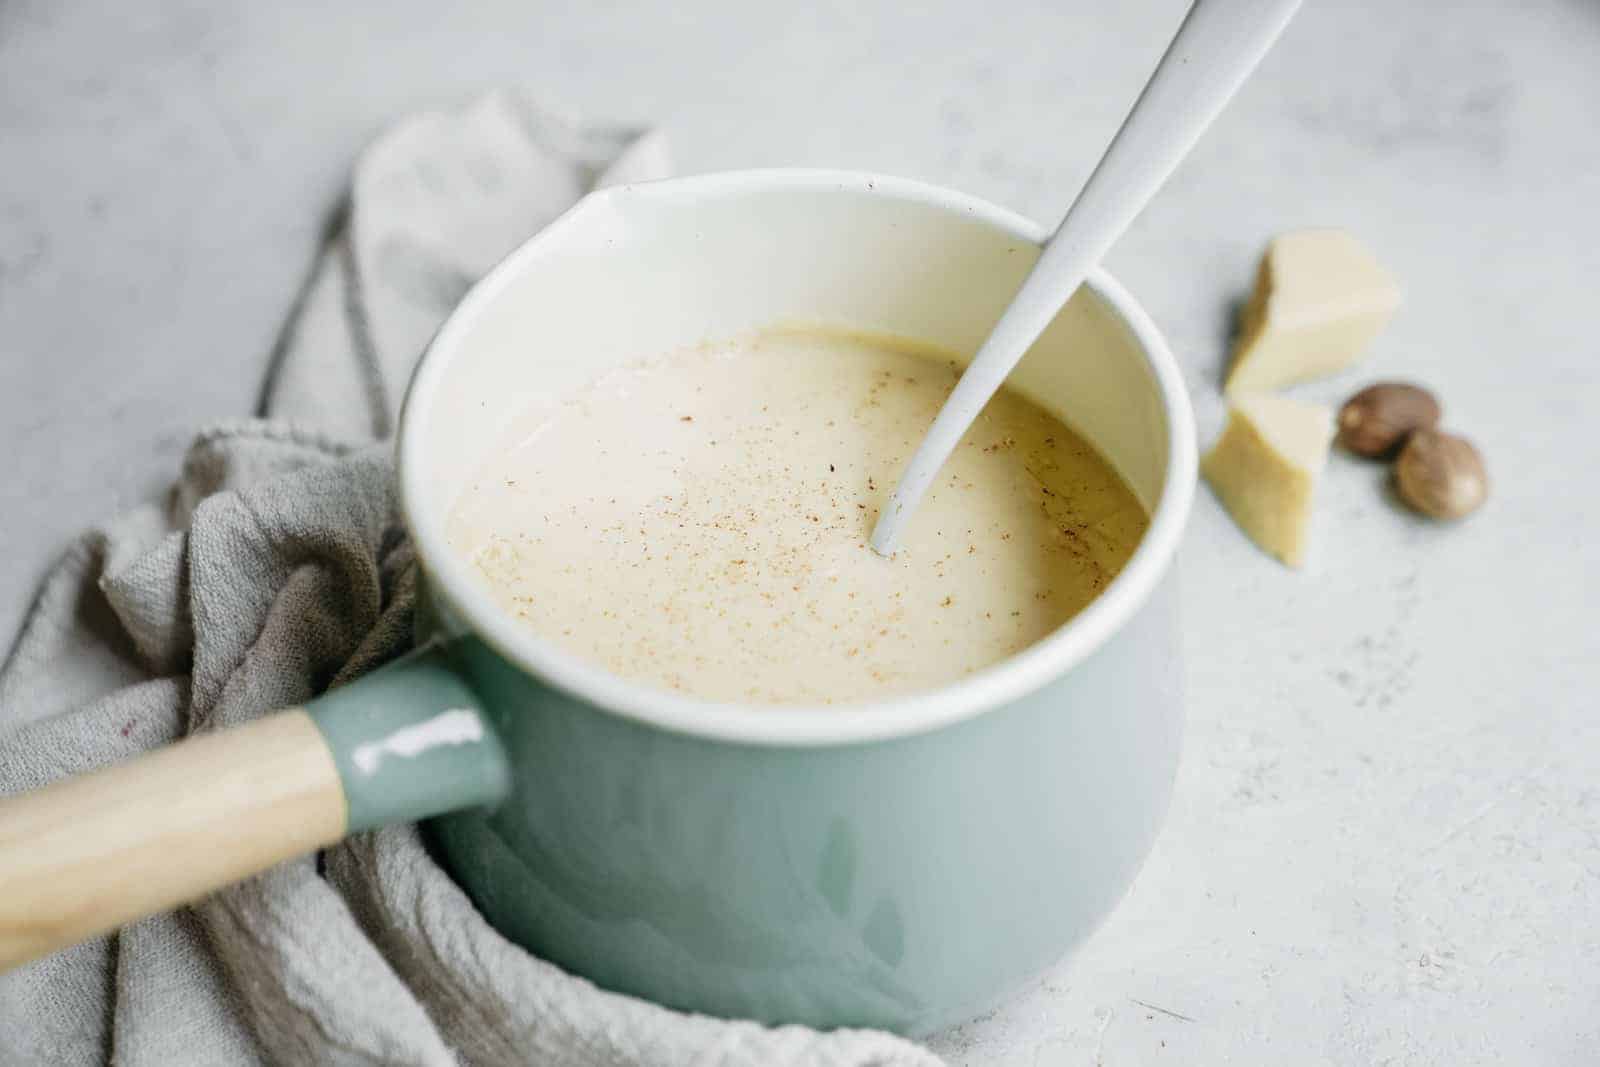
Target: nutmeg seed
[
  {"x": 1441, "y": 475},
  {"x": 1378, "y": 419}
]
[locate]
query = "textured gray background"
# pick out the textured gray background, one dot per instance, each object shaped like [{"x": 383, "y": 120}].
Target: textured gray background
[{"x": 1386, "y": 840}]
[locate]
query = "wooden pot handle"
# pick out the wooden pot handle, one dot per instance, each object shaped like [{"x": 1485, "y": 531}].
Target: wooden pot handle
[{"x": 85, "y": 855}]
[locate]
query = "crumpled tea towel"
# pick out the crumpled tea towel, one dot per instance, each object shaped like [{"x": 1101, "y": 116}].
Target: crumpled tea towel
[{"x": 278, "y": 567}]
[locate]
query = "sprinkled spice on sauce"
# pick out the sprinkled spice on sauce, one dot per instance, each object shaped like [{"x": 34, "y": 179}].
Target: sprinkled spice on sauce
[{"x": 708, "y": 554}]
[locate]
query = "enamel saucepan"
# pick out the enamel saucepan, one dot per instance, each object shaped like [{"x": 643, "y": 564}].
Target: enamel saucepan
[{"x": 898, "y": 864}]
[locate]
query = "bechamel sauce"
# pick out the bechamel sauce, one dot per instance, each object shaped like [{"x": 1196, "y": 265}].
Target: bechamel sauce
[{"x": 699, "y": 523}]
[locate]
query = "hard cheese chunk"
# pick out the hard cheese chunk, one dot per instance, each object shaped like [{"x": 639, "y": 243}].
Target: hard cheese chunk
[
  {"x": 1265, "y": 466},
  {"x": 1320, "y": 298}
]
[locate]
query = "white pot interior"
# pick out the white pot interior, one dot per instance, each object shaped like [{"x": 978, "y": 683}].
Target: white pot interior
[
  {"x": 641, "y": 271},
  {"x": 636, "y": 272}
]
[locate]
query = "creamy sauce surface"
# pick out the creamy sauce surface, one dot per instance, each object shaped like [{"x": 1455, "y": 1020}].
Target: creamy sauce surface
[{"x": 699, "y": 523}]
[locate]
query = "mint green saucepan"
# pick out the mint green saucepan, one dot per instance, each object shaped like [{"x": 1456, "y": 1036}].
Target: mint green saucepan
[{"x": 898, "y": 864}]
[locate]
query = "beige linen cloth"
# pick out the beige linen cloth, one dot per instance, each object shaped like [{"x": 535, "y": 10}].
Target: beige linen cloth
[{"x": 278, "y": 567}]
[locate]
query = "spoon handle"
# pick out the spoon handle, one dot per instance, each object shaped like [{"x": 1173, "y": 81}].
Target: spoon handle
[{"x": 1214, "y": 51}]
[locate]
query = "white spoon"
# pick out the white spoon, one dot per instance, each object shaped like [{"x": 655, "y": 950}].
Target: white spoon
[{"x": 1216, "y": 48}]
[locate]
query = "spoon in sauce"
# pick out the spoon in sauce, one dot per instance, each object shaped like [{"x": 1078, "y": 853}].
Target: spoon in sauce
[{"x": 1214, "y": 51}]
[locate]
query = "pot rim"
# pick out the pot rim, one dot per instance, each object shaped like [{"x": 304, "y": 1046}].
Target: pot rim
[{"x": 796, "y": 725}]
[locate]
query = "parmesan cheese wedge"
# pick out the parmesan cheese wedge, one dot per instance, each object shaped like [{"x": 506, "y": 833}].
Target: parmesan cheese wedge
[
  {"x": 1320, "y": 298},
  {"x": 1264, "y": 468}
]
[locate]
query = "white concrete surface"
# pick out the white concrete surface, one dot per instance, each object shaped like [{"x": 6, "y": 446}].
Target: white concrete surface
[{"x": 1385, "y": 846}]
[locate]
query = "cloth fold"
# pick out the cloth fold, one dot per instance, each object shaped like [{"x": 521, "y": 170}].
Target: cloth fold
[{"x": 276, "y": 567}]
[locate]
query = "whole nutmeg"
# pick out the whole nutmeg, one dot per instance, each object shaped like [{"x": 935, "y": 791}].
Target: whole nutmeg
[
  {"x": 1377, "y": 420},
  {"x": 1441, "y": 475}
]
